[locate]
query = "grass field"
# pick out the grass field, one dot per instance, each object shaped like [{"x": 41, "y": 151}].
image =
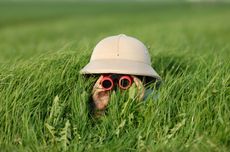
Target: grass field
[{"x": 44, "y": 100}]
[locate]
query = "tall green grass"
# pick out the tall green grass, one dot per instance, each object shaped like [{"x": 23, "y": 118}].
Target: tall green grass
[{"x": 44, "y": 100}]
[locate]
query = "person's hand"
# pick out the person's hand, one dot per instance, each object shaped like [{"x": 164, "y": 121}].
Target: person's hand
[
  {"x": 137, "y": 88},
  {"x": 100, "y": 96}
]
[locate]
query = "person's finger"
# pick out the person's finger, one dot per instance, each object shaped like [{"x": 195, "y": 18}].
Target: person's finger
[
  {"x": 97, "y": 86},
  {"x": 98, "y": 83},
  {"x": 140, "y": 86}
]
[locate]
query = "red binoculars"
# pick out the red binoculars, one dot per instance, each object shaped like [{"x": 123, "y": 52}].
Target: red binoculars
[{"x": 123, "y": 81}]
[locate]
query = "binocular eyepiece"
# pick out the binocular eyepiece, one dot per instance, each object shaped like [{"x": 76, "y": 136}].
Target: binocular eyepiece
[{"x": 124, "y": 82}]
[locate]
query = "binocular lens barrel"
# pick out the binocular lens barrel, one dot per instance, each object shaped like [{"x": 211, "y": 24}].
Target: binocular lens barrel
[
  {"x": 107, "y": 83},
  {"x": 125, "y": 82}
]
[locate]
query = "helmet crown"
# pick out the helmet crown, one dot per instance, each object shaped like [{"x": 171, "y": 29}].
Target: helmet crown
[{"x": 121, "y": 47}]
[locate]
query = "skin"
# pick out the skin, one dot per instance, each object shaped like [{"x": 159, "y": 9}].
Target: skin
[{"x": 101, "y": 96}]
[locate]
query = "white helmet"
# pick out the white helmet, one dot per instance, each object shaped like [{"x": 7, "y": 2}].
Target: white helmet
[{"x": 120, "y": 54}]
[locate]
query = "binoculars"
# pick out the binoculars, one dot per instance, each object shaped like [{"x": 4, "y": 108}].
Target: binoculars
[{"x": 123, "y": 81}]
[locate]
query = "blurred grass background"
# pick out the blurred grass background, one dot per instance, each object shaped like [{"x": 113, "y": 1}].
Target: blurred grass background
[
  {"x": 43, "y": 99},
  {"x": 28, "y": 29}
]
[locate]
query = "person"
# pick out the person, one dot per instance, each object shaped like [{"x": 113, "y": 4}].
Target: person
[{"x": 121, "y": 61}]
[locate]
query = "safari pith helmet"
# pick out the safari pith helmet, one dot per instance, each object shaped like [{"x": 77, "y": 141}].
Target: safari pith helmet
[{"x": 120, "y": 54}]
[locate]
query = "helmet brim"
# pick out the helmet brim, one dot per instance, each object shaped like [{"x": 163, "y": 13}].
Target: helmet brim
[{"x": 120, "y": 67}]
